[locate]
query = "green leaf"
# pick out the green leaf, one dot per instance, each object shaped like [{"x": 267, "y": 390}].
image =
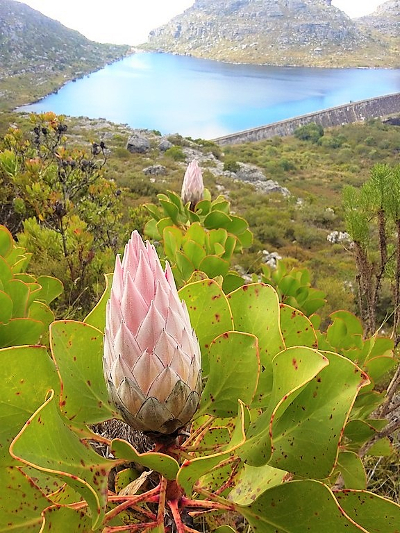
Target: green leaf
[
  {"x": 209, "y": 312},
  {"x": 192, "y": 470},
  {"x": 293, "y": 369},
  {"x": 6, "y": 241},
  {"x": 195, "y": 253},
  {"x": 237, "y": 225},
  {"x": 372, "y": 512},
  {"x": 77, "y": 349},
  {"x": 359, "y": 431},
  {"x": 214, "y": 266},
  {"x": 297, "y": 507},
  {"x": 59, "y": 452},
  {"x": 306, "y": 436},
  {"x": 161, "y": 463},
  {"x": 66, "y": 520},
  {"x": 378, "y": 367},
  {"x": 232, "y": 281},
  {"x": 216, "y": 219},
  {"x": 255, "y": 310},
  {"x": 170, "y": 209},
  {"x": 21, "y": 503},
  {"x": 172, "y": 238},
  {"x": 20, "y": 331},
  {"x": 97, "y": 316},
  {"x": 19, "y": 293},
  {"x": 28, "y": 374},
  {"x": 297, "y": 330},
  {"x": 6, "y": 307},
  {"x": 5, "y": 272},
  {"x": 253, "y": 481},
  {"x": 234, "y": 370},
  {"x": 51, "y": 288},
  {"x": 246, "y": 239},
  {"x": 352, "y": 470},
  {"x": 184, "y": 266},
  {"x": 196, "y": 233}
]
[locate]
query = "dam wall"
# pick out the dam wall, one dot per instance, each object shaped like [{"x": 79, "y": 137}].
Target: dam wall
[{"x": 335, "y": 116}]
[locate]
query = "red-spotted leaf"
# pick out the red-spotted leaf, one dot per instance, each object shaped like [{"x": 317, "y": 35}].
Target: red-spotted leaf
[
  {"x": 372, "y": 512},
  {"x": 164, "y": 464},
  {"x": 21, "y": 503},
  {"x": 77, "y": 349},
  {"x": 234, "y": 371},
  {"x": 297, "y": 507},
  {"x": 66, "y": 520},
  {"x": 352, "y": 470},
  {"x": 59, "y": 452},
  {"x": 306, "y": 436},
  {"x": 28, "y": 373},
  {"x": 255, "y": 310},
  {"x": 209, "y": 312}
]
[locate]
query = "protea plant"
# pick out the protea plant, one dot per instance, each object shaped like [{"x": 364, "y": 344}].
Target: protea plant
[
  {"x": 192, "y": 186},
  {"x": 152, "y": 361}
]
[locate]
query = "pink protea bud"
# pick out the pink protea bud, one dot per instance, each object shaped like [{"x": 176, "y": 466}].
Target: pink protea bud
[
  {"x": 192, "y": 186},
  {"x": 152, "y": 361}
]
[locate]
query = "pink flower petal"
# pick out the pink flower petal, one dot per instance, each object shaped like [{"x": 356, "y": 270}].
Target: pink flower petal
[
  {"x": 163, "y": 384},
  {"x": 146, "y": 370},
  {"x": 150, "y": 329}
]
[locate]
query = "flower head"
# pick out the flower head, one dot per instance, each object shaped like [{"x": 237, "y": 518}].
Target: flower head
[
  {"x": 192, "y": 186},
  {"x": 152, "y": 362}
]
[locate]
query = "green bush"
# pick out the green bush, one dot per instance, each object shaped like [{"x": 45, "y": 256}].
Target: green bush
[
  {"x": 310, "y": 132},
  {"x": 176, "y": 153}
]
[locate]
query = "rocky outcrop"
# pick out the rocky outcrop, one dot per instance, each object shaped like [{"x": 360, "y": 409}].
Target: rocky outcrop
[
  {"x": 275, "y": 32},
  {"x": 384, "y": 22},
  {"x": 138, "y": 144}
]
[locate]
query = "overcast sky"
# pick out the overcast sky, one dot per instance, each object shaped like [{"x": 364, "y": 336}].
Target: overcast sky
[{"x": 130, "y": 21}]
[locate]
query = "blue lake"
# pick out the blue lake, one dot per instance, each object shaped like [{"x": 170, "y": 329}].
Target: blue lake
[{"x": 202, "y": 98}]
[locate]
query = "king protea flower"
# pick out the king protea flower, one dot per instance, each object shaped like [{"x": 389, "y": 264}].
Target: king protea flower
[
  {"x": 192, "y": 186},
  {"x": 152, "y": 361}
]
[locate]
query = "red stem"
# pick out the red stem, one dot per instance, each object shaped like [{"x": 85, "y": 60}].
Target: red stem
[
  {"x": 186, "y": 502},
  {"x": 173, "y": 505},
  {"x": 129, "y": 501},
  {"x": 131, "y": 528}
]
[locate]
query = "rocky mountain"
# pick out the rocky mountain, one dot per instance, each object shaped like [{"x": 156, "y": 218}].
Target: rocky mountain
[
  {"x": 275, "y": 32},
  {"x": 36, "y": 50},
  {"x": 384, "y": 23}
]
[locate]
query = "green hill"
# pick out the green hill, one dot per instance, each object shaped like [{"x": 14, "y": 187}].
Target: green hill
[{"x": 39, "y": 54}]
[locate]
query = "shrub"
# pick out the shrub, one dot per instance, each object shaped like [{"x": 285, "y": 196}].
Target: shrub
[
  {"x": 310, "y": 132},
  {"x": 176, "y": 153}
]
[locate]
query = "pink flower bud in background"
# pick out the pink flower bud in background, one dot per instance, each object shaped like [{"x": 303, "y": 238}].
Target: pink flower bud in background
[
  {"x": 152, "y": 361},
  {"x": 192, "y": 187}
]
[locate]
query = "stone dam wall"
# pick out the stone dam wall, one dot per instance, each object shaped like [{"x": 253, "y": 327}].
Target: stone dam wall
[{"x": 335, "y": 116}]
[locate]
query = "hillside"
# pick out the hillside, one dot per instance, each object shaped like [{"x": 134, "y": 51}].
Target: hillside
[
  {"x": 275, "y": 32},
  {"x": 384, "y": 23},
  {"x": 38, "y": 54}
]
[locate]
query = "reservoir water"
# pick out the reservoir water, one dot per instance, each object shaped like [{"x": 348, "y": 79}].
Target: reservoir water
[{"x": 202, "y": 98}]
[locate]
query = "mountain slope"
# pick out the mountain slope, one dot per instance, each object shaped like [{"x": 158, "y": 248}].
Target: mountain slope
[
  {"x": 276, "y": 32},
  {"x": 38, "y": 51},
  {"x": 384, "y": 22}
]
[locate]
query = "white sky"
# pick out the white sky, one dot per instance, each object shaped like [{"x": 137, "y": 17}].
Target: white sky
[{"x": 130, "y": 21}]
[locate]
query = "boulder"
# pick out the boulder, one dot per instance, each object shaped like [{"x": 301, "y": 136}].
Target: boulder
[
  {"x": 155, "y": 170},
  {"x": 164, "y": 145},
  {"x": 137, "y": 144}
]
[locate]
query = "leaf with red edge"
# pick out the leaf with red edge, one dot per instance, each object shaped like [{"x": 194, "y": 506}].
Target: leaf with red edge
[
  {"x": 21, "y": 503},
  {"x": 77, "y": 349},
  {"x": 59, "y": 452},
  {"x": 28, "y": 373}
]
